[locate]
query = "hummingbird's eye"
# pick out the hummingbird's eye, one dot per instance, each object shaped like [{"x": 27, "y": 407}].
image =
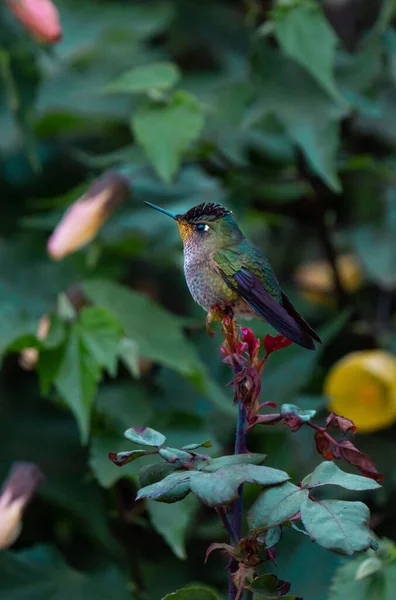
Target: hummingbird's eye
[{"x": 202, "y": 227}]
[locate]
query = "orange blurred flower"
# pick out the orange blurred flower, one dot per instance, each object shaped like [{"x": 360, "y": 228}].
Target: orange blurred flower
[
  {"x": 316, "y": 278},
  {"x": 362, "y": 387},
  {"x": 39, "y": 17},
  {"x": 83, "y": 219},
  {"x": 16, "y": 493}
]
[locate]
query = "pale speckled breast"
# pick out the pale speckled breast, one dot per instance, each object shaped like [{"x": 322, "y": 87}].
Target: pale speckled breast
[{"x": 206, "y": 286}]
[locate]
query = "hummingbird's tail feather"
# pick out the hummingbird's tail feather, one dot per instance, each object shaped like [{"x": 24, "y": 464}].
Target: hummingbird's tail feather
[
  {"x": 281, "y": 316},
  {"x": 293, "y": 312}
]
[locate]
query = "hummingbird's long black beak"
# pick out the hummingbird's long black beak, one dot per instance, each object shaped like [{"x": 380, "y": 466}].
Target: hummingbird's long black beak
[{"x": 166, "y": 212}]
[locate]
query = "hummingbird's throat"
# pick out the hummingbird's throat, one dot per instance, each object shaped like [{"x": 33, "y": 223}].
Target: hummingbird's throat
[{"x": 185, "y": 229}]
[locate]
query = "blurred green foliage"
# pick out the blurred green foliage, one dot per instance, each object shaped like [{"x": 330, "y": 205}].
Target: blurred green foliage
[{"x": 284, "y": 111}]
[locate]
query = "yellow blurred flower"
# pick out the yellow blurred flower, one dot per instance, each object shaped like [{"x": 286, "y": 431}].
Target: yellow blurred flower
[
  {"x": 83, "y": 219},
  {"x": 362, "y": 387},
  {"x": 315, "y": 279}
]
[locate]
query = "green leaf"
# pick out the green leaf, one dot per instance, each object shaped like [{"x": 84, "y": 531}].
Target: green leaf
[
  {"x": 129, "y": 354},
  {"x": 40, "y": 572},
  {"x": 192, "y": 593},
  {"x": 106, "y": 472},
  {"x": 305, "y": 35},
  {"x": 165, "y": 131},
  {"x": 155, "y": 76},
  {"x": 56, "y": 333},
  {"x": 304, "y": 415},
  {"x": 158, "y": 334},
  {"x": 234, "y": 459},
  {"x": 101, "y": 334},
  {"x": 276, "y": 505},
  {"x": 273, "y": 536},
  {"x": 155, "y": 472},
  {"x": 310, "y": 117},
  {"x": 172, "y": 521},
  {"x": 145, "y": 436},
  {"x": 266, "y": 586},
  {"x": 174, "y": 455},
  {"x": 327, "y": 473},
  {"x": 368, "y": 576},
  {"x": 123, "y": 403},
  {"x": 371, "y": 565},
  {"x": 342, "y": 527},
  {"x": 221, "y": 487},
  {"x": 174, "y": 487},
  {"x": 77, "y": 380},
  {"x": 205, "y": 444}
]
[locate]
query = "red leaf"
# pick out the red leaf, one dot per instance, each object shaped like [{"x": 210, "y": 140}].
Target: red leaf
[
  {"x": 225, "y": 549},
  {"x": 324, "y": 446},
  {"x": 273, "y": 343},
  {"x": 337, "y": 422},
  {"x": 267, "y": 419},
  {"x": 253, "y": 344},
  {"x": 359, "y": 460}
]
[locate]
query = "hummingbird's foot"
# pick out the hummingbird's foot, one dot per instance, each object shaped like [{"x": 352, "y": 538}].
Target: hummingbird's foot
[{"x": 216, "y": 313}]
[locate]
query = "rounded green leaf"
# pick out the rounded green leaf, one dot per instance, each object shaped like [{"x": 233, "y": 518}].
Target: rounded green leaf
[
  {"x": 221, "y": 487},
  {"x": 327, "y": 473},
  {"x": 145, "y": 436},
  {"x": 276, "y": 505},
  {"x": 342, "y": 527}
]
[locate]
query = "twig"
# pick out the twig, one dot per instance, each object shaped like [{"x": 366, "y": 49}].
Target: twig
[
  {"x": 237, "y": 507},
  {"x": 222, "y": 512}
]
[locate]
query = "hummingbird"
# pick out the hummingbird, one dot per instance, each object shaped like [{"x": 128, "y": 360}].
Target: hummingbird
[{"x": 226, "y": 274}]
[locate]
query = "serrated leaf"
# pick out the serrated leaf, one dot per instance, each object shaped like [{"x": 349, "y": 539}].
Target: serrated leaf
[
  {"x": 155, "y": 76},
  {"x": 158, "y": 333},
  {"x": 172, "y": 521},
  {"x": 166, "y": 130},
  {"x": 192, "y": 593},
  {"x": 101, "y": 334},
  {"x": 310, "y": 116},
  {"x": 221, "y": 487},
  {"x": 327, "y": 473},
  {"x": 77, "y": 380},
  {"x": 145, "y": 436},
  {"x": 172, "y": 488},
  {"x": 234, "y": 459},
  {"x": 276, "y": 505},
  {"x": 342, "y": 527},
  {"x": 305, "y": 35}
]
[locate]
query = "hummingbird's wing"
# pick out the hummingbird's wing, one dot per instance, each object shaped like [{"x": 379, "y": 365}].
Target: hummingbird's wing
[{"x": 254, "y": 280}]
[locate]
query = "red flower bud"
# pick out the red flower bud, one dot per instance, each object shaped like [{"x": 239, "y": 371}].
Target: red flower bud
[
  {"x": 39, "y": 17},
  {"x": 84, "y": 218}
]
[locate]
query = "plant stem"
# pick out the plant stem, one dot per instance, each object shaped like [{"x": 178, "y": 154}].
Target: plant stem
[{"x": 237, "y": 507}]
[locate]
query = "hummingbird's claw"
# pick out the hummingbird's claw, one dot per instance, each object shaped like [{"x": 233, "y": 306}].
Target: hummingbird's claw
[{"x": 210, "y": 317}]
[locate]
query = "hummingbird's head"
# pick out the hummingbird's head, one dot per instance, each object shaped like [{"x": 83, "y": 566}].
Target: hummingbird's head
[{"x": 208, "y": 226}]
